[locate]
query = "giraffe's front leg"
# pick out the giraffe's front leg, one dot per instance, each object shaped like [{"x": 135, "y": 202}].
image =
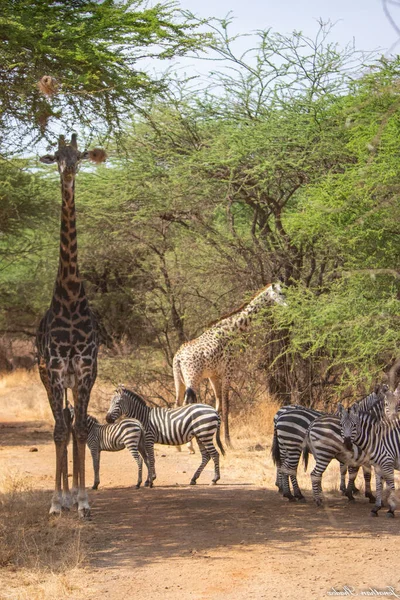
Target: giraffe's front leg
[
  {"x": 60, "y": 435},
  {"x": 81, "y": 439}
]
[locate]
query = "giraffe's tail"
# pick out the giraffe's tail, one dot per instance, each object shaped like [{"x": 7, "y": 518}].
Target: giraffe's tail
[
  {"x": 190, "y": 396},
  {"x": 218, "y": 439}
]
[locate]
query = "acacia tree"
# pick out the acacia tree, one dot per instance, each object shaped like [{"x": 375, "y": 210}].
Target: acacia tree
[{"x": 91, "y": 49}]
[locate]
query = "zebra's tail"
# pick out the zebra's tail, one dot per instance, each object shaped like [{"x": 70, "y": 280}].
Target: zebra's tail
[
  {"x": 219, "y": 443},
  {"x": 190, "y": 396},
  {"x": 276, "y": 455},
  {"x": 306, "y": 453}
]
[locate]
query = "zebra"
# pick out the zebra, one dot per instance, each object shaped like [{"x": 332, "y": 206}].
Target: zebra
[
  {"x": 124, "y": 433},
  {"x": 290, "y": 427},
  {"x": 325, "y": 442},
  {"x": 174, "y": 426},
  {"x": 380, "y": 440}
]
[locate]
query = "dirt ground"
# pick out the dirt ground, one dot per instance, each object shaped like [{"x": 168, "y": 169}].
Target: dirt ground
[{"x": 236, "y": 540}]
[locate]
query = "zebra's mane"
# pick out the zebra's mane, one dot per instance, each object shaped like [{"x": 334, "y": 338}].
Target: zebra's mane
[
  {"x": 92, "y": 418},
  {"x": 133, "y": 396}
]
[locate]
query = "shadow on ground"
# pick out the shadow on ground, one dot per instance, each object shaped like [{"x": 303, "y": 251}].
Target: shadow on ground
[
  {"x": 136, "y": 527},
  {"x": 25, "y": 433}
]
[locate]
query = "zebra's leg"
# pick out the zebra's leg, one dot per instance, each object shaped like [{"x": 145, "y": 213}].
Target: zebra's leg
[
  {"x": 386, "y": 472},
  {"x": 294, "y": 462},
  {"x": 350, "y": 486},
  {"x": 289, "y": 468},
  {"x": 215, "y": 456},
  {"x": 367, "y": 482},
  {"x": 205, "y": 457},
  {"x": 95, "y": 452},
  {"x": 133, "y": 449},
  {"x": 343, "y": 471},
  {"x": 145, "y": 456},
  {"x": 152, "y": 471},
  {"x": 278, "y": 480},
  {"x": 316, "y": 479},
  {"x": 378, "y": 484}
]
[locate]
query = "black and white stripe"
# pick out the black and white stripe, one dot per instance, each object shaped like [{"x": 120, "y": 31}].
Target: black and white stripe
[
  {"x": 174, "y": 427},
  {"x": 125, "y": 433},
  {"x": 290, "y": 427},
  {"x": 379, "y": 438},
  {"x": 324, "y": 441}
]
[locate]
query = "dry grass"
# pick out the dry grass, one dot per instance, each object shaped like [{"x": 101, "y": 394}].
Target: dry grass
[
  {"x": 37, "y": 554},
  {"x": 22, "y": 396}
]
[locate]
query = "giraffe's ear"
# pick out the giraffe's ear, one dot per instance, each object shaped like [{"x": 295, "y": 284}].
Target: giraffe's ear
[
  {"x": 48, "y": 159},
  {"x": 84, "y": 155}
]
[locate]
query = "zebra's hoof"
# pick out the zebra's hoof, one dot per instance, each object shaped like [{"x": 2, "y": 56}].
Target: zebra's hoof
[
  {"x": 371, "y": 498},
  {"x": 95, "y": 487},
  {"x": 65, "y": 508},
  {"x": 350, "y": 498},
  {"x": 192, "y": 482},
  {"x": 291, "y": 498},
  {"x": 390, "y": 514},
  {"x": 137, "y": 486},
  {"x": 147, "y": 483},
  {"x": 374, "y": 513},
  {"x": 301, "y": 499}
]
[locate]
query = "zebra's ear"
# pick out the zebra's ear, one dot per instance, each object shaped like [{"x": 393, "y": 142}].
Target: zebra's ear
[
  {"x": 355, "y": 410},
  {"x": 339, "y": 410}
]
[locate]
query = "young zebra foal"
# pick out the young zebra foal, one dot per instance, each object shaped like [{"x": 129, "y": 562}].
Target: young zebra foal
[
  {"x": 174, "y": 426},
  {"x": 125, "y": 433}
]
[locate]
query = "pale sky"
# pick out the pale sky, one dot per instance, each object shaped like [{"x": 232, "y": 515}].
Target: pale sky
[{"x": 362, "y": 19}]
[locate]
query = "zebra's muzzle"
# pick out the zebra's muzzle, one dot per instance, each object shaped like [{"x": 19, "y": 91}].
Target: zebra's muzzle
[
  {"x": 348, "y": 443},
  {"x": 109, "y": 418}
]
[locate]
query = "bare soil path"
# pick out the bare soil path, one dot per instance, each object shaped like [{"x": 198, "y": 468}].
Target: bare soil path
[{"x": 233, "y": 541}]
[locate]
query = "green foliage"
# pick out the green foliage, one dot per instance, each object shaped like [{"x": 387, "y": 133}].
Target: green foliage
[
  {"x": 91, "y": 49},
  {"x": 286, "y": 172}
]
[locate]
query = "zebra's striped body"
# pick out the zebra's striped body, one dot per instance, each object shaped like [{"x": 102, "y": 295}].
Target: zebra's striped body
[
  {"x": 125, "y": 433},
  {"x": 380, "y": 440},
  {"x": 290, "y": 427},
  {"x": 325, "y": 442},
  {"x": 174, "y": 427}
]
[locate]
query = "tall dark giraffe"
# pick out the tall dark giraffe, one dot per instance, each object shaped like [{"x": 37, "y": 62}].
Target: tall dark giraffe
[{"x": 67, "y": 340}]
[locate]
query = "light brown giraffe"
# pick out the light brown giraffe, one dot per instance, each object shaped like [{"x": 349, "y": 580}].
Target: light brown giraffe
[
  {"x": 67, "y": 341},
  {"x": 211, "y": 354}
]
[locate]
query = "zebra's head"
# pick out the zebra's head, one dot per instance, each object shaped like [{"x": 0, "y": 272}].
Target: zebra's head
[
  {"x": 392, "y": 403},
  {"x": 349, "y": 424},
  {"x": 115, "y": 409}
]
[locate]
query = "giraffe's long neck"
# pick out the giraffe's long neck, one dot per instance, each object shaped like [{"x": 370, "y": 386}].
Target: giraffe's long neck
[
  {"x": 69, "y": 286},
  {"x": 242, "y": 320}
]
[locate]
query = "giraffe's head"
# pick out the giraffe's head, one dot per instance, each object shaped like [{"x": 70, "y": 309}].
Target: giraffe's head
[
  {"x": 274, "y": 293},
  {"x": 67, "y": 157}
]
